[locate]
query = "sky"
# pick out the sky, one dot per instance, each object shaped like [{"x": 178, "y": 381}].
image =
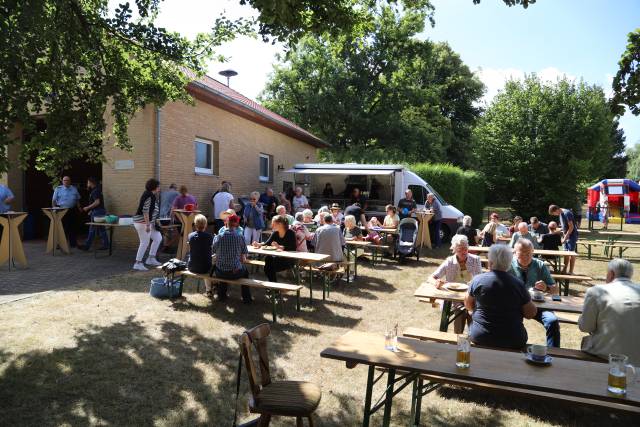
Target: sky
[{"x": 582, "y": 39}]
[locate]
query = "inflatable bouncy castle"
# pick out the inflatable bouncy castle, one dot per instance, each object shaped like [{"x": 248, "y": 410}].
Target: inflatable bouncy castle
[{"x": 621, "y": 198}]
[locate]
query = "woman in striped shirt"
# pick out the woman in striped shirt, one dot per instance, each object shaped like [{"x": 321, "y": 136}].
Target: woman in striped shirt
[{"x": 144, "y": 221}]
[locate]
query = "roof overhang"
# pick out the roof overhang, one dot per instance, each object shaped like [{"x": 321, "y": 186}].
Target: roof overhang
[
  {"x": 331, "y": 171},
  {"x": 212, "y": 97}
]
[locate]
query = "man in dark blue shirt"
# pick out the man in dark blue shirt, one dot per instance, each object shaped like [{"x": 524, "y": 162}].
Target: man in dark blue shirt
[
  {"x": 269, "y": 203},
  {"x": 95, "y": 208},
  {"x": 499, "y": 301}
]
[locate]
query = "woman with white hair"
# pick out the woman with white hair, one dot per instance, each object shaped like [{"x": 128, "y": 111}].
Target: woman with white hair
[
  {"x": 467, "y": 230},
  {"x": 499, "y": 302},
  {"x": 253, "y": 216},
  {"x": 351, "y": 229},
  {"x": 307, "y": 216},
  {"x": 322, "y": 212},
  {"x": 459, "y": 267}
]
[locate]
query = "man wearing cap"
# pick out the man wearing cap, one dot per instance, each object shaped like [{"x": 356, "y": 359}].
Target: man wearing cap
[
  {"x": 66, "y": 196},
  {"x": 231, "y": 252}
]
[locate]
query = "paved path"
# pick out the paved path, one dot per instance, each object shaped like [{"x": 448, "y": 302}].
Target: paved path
[{"x": 46, "y": 272}]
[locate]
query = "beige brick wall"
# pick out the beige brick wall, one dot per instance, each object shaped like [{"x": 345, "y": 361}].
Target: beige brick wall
[{"x": 239, "y": 142}]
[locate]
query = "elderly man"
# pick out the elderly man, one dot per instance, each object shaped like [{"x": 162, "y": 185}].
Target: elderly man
[
  {"x": 66, "y": 196},
  {"x": 499, "y": 301},
  {"x": 329, "y": 240},
  {"x": 536, "y": 275},
  {"x": 269, "y": 203},
  {"x": 569, "y": 234},
  {"x": 523, "y": 233},
  {"x": 407, "y": 206},
  {"x": 611, "y": 314},
  {"x": 434, "y": 205},
  {"x": 537, "y": 227}
]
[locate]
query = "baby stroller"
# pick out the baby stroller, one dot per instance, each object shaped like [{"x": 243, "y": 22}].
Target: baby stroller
[{"x": 408, "y": 234}]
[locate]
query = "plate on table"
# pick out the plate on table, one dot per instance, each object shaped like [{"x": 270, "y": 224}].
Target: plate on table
[
  {"x": 269, "y": 248},
  {"x": 546, "y": 362},
  {"x": 456, "y": 287}
]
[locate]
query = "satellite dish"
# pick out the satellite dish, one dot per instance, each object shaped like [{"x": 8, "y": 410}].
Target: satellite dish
[{"x": 228, "y": 74}]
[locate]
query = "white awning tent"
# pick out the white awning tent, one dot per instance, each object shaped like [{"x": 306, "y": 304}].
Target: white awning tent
[{"x": 330, "y": 171}]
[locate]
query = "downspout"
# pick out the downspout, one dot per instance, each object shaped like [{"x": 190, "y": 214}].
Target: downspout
[{"x": 158, "y": 143}]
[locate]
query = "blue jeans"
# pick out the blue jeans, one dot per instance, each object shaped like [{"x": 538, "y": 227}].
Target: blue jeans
[
  {"x": 436, "y": 232},
  {"x": 552, "y": 326},
  {"x": 102, "y": 231}
]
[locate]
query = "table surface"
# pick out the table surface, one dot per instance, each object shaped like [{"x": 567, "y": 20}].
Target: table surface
[
  {"x": 569, "y": 304},
  {"x": 104, "y": 224},
  {"x": 565, "y": 376},
  {"x": 54, "y": 209},
  {"x": 357, "y": 243},
  {"x": 195, "y": 211},
  {"x": 485, "y": 249},
  {"x": 302, "y": 256},
  {"x": 9, "y": 214},
  {"x": 619, "y": 233}
]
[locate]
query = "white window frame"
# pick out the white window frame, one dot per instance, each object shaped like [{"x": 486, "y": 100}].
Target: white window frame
[
  {"x": 262, "y": 177},
  {"x": 203, "y": 171}
]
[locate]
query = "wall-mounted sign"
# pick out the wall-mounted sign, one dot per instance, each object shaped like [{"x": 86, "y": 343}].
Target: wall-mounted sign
[{"x": 124, "y": 164}]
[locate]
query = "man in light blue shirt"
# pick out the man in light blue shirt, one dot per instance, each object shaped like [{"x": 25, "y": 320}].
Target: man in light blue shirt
[
  {"x": 6, "y": 198},
  {"x": 67, "y": 196}
]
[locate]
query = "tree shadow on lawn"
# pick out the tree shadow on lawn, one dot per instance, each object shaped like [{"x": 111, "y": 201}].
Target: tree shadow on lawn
[
  {"x": 363, "y": 287},
  {"x": 552, "y": 411},
  {"x": 123, "y": 374}
]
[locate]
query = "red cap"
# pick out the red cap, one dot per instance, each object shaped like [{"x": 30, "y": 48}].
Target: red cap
[{"x": 234, "y": 219}]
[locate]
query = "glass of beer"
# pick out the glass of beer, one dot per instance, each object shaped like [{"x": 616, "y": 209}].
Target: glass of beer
[
  {"x": 618, "y": 367},
  {"x": 463, "y": 356}
]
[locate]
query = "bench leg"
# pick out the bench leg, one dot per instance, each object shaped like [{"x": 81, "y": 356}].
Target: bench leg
[
  {"x": 444, "y": 319},
  {"x": 298, "y": 300},
  {"x": 274, "y": 304},
  {"x": 566, "y": 288},
  {"x": 310, "y": 287},
  {"x": 367, "y": 397}
]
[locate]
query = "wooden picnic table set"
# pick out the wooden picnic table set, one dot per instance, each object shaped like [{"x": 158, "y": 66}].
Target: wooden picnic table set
[{"x": 614, "y": 239}]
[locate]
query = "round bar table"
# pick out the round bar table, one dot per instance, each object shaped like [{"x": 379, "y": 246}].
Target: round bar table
[{"x": 57, "y": 236}]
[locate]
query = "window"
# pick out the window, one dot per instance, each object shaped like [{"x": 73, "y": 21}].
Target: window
[
  {"x": 419, "y": 194},
  {"x": 204, "y": 156},
  {"x": 266, "y": 168}
]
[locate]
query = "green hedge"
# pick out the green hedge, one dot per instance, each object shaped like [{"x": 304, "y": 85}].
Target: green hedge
[{"x": 463, "y": 189}]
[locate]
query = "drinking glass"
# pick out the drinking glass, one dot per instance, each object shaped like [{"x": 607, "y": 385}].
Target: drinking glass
[
  {"x": 618, "y": 366},
  {"x": 463, "y": 356},
  {"x": 391, "y": 338}
]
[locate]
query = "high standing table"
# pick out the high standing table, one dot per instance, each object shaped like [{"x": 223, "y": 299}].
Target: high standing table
[
  {"x": 427, "y": 365},
  {"x": 428, "y": 291},
  {"x": 57, "y": 236},
  {"x": 424, "y": 235},
  {"x": 186, "y": 219},
  {"x": 11, "y": 249}
]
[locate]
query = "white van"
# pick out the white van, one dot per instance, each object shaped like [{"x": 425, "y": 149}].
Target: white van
[{"x": 380, "y": 184}]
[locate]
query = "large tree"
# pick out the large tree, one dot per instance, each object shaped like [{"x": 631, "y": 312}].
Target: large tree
[
  {"x": 380, "y": 94},
  {"x": 538, "y": 142},
  {"x": 626, "y": 83}
]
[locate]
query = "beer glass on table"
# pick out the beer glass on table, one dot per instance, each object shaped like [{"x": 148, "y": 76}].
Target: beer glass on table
[
  {"x": 463, "y": 356},
  {"x": 618, "y": 367}
]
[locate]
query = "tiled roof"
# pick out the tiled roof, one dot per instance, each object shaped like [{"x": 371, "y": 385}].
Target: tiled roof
[{"x": 229, "y": 95}]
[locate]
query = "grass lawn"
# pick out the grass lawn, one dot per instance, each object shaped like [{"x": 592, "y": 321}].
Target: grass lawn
[{"x": 106, "y": 353}]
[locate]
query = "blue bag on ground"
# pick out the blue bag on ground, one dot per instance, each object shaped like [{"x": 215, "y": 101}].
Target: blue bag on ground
[{"x": 163, "y": 288}]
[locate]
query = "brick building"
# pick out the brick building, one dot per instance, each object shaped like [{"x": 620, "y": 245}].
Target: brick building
[{"x": 223, "y": 136}]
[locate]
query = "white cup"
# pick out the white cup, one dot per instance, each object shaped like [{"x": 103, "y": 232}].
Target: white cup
[{"x": 537, "y": 352}]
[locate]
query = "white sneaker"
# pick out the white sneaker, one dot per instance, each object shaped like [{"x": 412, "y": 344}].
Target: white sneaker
[
  {"x": 153, "y": 261},
  {"x": 140, "y": 267}
]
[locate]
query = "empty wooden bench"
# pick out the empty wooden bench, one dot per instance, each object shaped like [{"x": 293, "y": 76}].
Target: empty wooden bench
[
  {"x": 564, "y": 280},
  {"x": 274, "y": 290}
]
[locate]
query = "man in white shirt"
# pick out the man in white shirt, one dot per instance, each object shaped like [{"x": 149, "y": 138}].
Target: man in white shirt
[
  {"x": 611, "y": 314},
  {"x": 222, "y": 201}
]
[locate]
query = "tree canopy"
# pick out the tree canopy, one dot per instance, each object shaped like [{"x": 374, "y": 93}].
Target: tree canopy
[
  {"x": 380, "y": 94},
  {"x": 538, "y": 142},
  {"x": 626, "y": 83}
]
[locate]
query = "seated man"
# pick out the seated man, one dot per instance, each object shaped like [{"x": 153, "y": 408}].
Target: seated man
[
  {"x": 523, "y": 234},
  {"x": 536, "y": 275},
  {"x": 499, "y": 301},
  {"x": 329, "y": 240},
  {"x": 231, "y": 252},
  {"x": 611, "y": 314},
  {"x": 537, "y": 227},
  {"x": 552, "y": 240}
]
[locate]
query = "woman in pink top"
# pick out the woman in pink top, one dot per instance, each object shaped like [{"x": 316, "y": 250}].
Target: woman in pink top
[{"x": 184, "y": 199}]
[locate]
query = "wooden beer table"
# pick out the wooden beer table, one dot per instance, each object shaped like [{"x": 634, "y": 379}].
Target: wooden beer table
[
  {"x": 186, "y": 219},
  {"x": 542, "y": 252},
  {"x": 57, "y": 236},
  {"x": 428, "y": 291},
  {"x": 427, "y": 365},
  {"x": 11, "y": 249},
  {"x": 109, "y": 227},
  {"x": 424, "y": 235}
]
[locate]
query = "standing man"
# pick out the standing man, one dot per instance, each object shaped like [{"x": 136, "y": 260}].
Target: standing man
[
  {"x": 269, "y": 203},
  {"x": 536, "y": 275},
  {"x": 300, "y": 201},
  {"x": 357, "y": 197},
  {"x": 166, "y": 200},
  {"x": 434, "y": 205},
  {"x": 6, "y": 198},
  {"x": 407, "y": 206},
  {"x": 569, "y": 234},
  {"x": 66, "y": 196},
  {"x": 95, "y": 208},
  {"x": 222, "y": 200},
  {"x": 358, "y": 213}
]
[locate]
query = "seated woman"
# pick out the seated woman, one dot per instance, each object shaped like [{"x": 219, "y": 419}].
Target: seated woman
[
  {"x": 499, "y": 301},
  {"x": 307, "y": 217},
  {"x": 319, "y": 218},
  {"x": 392, "y": 220},
  {"x": 231, "y": 253},
  {"x": 351, "y": 229},
  {"x": 224, "y": 216},
  {"x": 468, "y": 230},
  {"x": 200, "y": 242},
  {"x": 459, "y": 267},
  {"x": 514, "y": 225},
  {"x": 488, "y": 234},
  {"x": 283, "y": 239},
  {"x": 302, "y": 234}
]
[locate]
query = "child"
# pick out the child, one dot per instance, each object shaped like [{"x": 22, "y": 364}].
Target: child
[
  {"x": 200, "y": 242},
  {"x": 373, "y": 236},
  {"x": 392, "y": 219}
]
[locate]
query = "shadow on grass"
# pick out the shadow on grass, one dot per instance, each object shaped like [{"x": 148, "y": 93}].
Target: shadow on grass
[{"x": 126, "y": 374}]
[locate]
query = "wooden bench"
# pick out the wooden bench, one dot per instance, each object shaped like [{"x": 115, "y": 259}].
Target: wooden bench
[
  {"x": 622, "y": 246},
  {"x": 451, "y": 338},
  {"x": 570, "y": 318},
  {"x": 273, "y": 289},
  {"x": 564, "y": 280}
]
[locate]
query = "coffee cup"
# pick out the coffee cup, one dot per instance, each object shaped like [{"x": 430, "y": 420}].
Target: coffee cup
[
  {"x": 537, "y": 353},
  {"x": 538, "y": 295}
]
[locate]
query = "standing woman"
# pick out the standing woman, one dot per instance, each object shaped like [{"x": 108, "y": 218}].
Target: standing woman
[
  {"x": 488, "y": 234},
  {"x": 144, "y": 222},
  {"x": 283, "y": 239},
  {"x": 253, "y": 216}
]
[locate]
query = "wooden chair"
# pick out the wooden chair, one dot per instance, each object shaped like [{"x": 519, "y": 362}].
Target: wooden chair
[{"x": 287, "y": 398}]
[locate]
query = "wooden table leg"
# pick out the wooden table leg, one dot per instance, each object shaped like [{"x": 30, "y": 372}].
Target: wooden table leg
[{"x": 57, "y": 236}]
